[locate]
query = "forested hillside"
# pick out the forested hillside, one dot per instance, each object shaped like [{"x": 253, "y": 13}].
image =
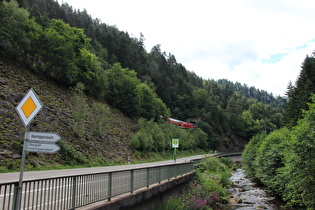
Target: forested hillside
[
  {"x": 283, "y": 160},
  {"x": 79, "y": 53}
]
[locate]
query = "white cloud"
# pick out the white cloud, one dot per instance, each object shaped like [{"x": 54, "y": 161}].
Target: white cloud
[{"x": 261, "y": 43}]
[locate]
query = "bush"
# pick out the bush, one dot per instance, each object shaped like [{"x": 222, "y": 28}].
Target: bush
[
  {"x": 250, "y": 153},
  {"x": 212, "y": 164},
  {"x": 269, "y": 160},
  {"x": 300, "y": 162},
  {"x": 80, "y": 109},
  {"x": 206, "y": 190},
  {"x": 100, "y": 113},
  {"x": 157, "y": 136},
  {"x": 71, "y": 156},
  {"x": 217, "y": 171},
  {"x": 212, "y": 183}
]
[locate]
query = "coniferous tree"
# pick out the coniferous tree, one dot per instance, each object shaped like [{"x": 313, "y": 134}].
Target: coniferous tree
[{"x": 299, "y": 95}]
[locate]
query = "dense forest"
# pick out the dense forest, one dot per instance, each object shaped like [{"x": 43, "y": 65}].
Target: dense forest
[
  {"x": 69, "y": 47},
  {"x": 95, "y": 60}
]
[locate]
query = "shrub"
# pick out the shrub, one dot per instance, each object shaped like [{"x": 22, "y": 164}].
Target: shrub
[
  {"x": 300, "y": 162},
  {"x": 206, "y": 190},
  {"x": 71, "y": 156},
  {"x": 269, "y": 160},
  {"x": 212, "y": 164},
  {"x": 250, "y": 153},
  {"x": 212, "y": 184},
  {"x": 100, "y": 113},
  {"x": 80, "y": 109}
]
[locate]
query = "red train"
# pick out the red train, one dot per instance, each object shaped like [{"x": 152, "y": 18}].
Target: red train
[{"x": 180, "y": 123}]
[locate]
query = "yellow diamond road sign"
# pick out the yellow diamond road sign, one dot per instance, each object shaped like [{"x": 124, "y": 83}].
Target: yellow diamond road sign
[{"x": 28, "y": 107}]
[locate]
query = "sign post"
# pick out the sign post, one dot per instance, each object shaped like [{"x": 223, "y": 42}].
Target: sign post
[
  {"x": 27, "y": 109},
  {"x": 175, "y": 144}
]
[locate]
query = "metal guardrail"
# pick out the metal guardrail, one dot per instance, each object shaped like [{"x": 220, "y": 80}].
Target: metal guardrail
[
  {"x": 71, "y": 192},
  {"x": 227, "y": 154}
]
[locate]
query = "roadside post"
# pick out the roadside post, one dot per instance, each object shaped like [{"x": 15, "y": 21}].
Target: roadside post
[
  {"x": 27, "y": 109},
  {"x": 175, "y": 144}
]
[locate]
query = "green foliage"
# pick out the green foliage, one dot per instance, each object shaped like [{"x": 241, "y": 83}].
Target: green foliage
[
  {"x": 18, "y": 146},
  {"x": 200, "y": 137},
  {"x": 65, "y": 55},
  {"x": 270, "y": 158},
  {"x": 157, "y": 136},
  {"x": 100, "y": 113},
  {"x": 18, "y": 33},
  {"x": 284, "y": 160},
  {"x": 70, "y": 156},
  {"x": 227, "y": 161},
  {"x": 151, "y": 106},
  {"x": 150, "y": 137},
  {"x": 300, "y": 161},
  {"x": 250, "y": 153},
  {"x": 299, "y": 94},
  {"x": 218, "y": 170},
  {"x": 4, "y": 170},
  {"x": 234, "y": 109},
  {"x": 123, "y": 91},
  {"x": 213, "y": 183},
  {"x": 212, "y": 164},
  {"x": 80, "y": 109},
  {"x": 206, "y": 190}
]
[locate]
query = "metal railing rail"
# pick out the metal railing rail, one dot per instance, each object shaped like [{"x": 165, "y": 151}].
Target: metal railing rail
[{"x": 70, "y": 192}]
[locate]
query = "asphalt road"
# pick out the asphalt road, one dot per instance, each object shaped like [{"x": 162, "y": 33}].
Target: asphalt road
[{"x": 34, "y": 175}]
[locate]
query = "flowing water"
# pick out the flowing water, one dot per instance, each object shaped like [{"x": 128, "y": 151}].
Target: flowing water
[{"x": 248, "y": 195}]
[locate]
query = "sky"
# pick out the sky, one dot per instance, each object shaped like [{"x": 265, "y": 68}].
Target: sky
[{"x": 260, "y": 43}]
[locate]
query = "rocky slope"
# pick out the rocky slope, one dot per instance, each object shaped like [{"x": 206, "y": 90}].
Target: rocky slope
[{"x": 55, "y": 116}]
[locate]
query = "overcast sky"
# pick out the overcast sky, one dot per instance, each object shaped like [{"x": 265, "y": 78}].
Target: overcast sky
[{"x": 260, "y": 43}]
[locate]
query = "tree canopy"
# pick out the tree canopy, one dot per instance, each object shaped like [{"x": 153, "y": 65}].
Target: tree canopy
[{"x": 70, "y": 47}]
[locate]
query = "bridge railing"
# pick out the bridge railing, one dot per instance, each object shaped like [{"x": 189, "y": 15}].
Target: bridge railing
[{"x": 70, "y": 192}]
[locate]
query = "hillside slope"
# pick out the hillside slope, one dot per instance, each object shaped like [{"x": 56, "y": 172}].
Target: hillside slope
[{"x": 56, "y": 117}]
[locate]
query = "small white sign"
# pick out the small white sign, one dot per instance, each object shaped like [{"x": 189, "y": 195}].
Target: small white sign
[
  {"x": 175, "y": 143},
  {"x": 42, "y": 137},
  {"x": 40, "y": 147},
  {"x": 28, "y": 107}
]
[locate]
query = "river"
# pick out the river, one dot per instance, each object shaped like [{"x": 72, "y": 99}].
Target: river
[{"x": 246, "y": 195}]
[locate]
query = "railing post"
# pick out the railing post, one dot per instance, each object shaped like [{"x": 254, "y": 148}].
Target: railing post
[
  {"x": 160, "y": 175},
  {"x": 15, "y": 196},
  {"x": 176, "y": 173},
  {"x": 109, "y": 185},
  {"x": 74, "y": 189},
  {"x": 131, "y": 180},
  {"x": 148, "y": 177}
]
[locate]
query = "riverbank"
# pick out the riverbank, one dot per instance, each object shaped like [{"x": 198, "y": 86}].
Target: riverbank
[{"x": 246, "y": 194}]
